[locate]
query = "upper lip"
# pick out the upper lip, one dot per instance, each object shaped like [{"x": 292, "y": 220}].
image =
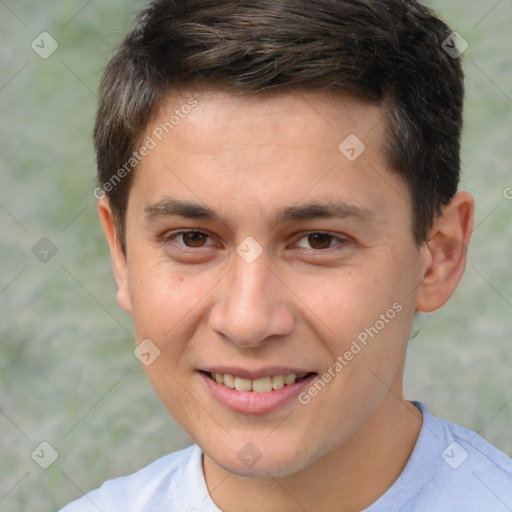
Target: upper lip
[{"x": 269, "y": 371}]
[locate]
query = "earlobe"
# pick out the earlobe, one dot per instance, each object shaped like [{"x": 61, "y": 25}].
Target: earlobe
[
  {"x": 117, "y": 255},
  {"x": 444, "y": 254}
]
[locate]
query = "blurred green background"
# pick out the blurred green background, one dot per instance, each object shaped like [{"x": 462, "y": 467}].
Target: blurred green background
[{"x": 67, "y": 371}]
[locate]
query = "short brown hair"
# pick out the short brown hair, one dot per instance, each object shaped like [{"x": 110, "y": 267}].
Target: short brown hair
[{"x": 383, "y": 51}]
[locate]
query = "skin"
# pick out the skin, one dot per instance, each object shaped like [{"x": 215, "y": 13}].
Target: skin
[{"x": 299, "y": 304}]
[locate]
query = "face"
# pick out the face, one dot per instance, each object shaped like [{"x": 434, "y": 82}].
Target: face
[{"x": 259, "y": 252}]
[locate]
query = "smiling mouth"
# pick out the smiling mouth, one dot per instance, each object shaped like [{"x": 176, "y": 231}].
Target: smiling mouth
[{"x": 262, "y": 385}]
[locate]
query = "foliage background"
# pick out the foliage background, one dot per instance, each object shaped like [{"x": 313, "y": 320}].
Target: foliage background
[{"x": 67, "y": 371}]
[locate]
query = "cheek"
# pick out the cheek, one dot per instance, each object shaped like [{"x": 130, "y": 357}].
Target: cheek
[
  {"x": 160, "y": 301},
  {"x": 361, "y": 312},
  {"x": 344, "y": 300}
]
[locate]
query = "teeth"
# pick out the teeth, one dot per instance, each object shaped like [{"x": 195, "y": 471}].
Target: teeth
[
  {"x": 242, "y": 384},
  {"x": 263, "y": 385},
  {"x": 289, "y": 379},
  {"x": 229, "y": 381},
  {"x": 278, "y": 381}
]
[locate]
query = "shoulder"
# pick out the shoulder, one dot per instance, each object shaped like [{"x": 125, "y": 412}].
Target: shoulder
[
  {"x": 472, "y": 468},
  {"x": 171, "y": 481},
  {"x": 451, "y": 468},
  {"x": 464, "y": 448}
]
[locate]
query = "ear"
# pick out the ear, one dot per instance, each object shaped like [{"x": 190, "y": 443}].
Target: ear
[
  {"x": 444, "y": 254},
  {"x": 119, "y": 263}
]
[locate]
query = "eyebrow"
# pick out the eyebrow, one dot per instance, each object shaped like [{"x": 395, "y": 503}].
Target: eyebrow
[
  {"x": 330, "y": 209},
  {"x": 168, "y": 207},
  {"x": 171, "y": 207}
]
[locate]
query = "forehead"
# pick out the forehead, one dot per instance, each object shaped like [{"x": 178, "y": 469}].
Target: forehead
[
  {"x": 225, "y": 120},
  {"x": 271, "y": 148}
]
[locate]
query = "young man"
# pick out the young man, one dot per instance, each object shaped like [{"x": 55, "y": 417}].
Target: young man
[{"x": 278, "y": 187}]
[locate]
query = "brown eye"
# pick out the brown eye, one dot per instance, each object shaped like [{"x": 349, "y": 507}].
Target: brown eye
[
  {"x": 320, "y": 240},
  {"x": 194, "y": 239}
]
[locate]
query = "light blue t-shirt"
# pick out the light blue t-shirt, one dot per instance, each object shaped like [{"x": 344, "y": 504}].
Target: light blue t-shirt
[{"x": 451, "y": 469}]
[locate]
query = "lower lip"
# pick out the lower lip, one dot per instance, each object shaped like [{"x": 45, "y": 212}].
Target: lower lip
[{"x": 250, "y": 402}]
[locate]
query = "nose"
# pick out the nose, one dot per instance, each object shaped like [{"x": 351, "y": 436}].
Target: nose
[{"x": 252, "y": 305}]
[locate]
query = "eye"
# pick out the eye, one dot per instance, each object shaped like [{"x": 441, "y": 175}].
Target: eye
[
  {"x": 191, "y": 239},
  {"x": 319, "y": 241}
]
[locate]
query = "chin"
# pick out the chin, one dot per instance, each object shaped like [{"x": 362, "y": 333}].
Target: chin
[
  {"x": 260, "y": 458},
  {"x": 278, "y": 467}
]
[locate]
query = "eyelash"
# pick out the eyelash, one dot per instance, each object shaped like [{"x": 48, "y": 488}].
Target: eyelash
[{"x": 171, "y": 237}]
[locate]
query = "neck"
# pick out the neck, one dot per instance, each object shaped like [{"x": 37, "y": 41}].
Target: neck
[{"x": 351, "y": 477}]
